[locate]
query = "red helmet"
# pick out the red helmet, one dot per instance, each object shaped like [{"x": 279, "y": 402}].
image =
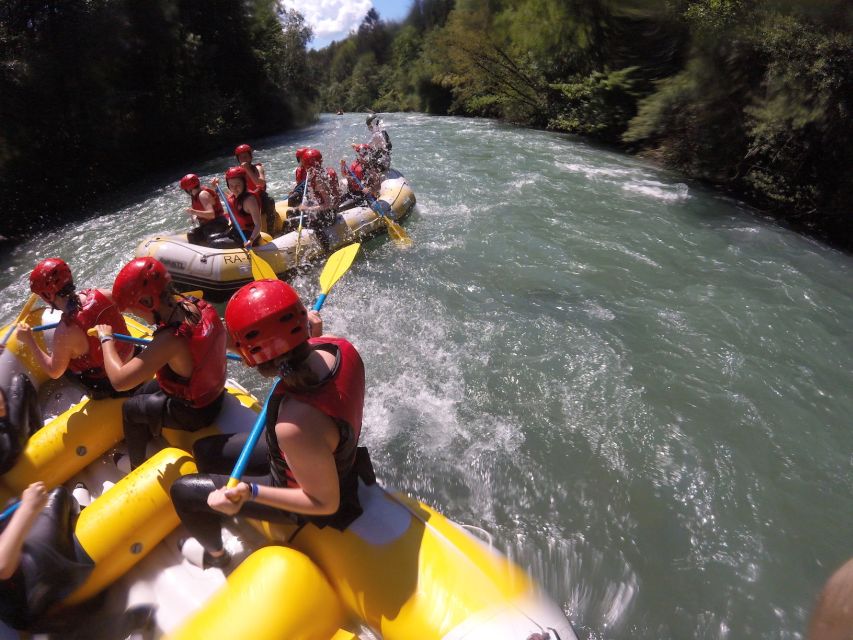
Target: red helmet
[
  {"x": 266, "y": 319},
  {"x": 140, "y": 278},
  {"x": 300, "y": 152},
  {"x": 361, "y": 150},
  {"x": 242, "y": 148},
  {"x": 189, "y": 181},
  {"x": 50, "y": 277},
  {"x": 312, "y": 157},
  {"x": 235, "y": 172}
]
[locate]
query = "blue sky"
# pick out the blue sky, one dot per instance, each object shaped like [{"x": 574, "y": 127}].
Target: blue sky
[{"x": 334, "y": 19}]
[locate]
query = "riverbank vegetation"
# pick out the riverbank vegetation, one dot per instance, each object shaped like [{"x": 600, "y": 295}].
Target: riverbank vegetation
[
  {"x": 752, "y": 96},
  {"x": 95, "y": 93}
]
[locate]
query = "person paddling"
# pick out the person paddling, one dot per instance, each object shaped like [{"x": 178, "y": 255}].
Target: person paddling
[
  {"x": 205, "y": 206},
  {"x": 256, "y": 181},
  {"x": 366, "y": 173},
  {"x": 187, "y": 354},
  {"x": 313, "y": 423},
  {"x": 245, "y": 204},
  {"x": 322, "y": 195},
  {"x": 73, "y": 351}
]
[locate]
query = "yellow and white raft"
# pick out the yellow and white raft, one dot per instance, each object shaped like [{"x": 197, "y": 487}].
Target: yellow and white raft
[
  {"x": 400, "y": 571},
  {"x": 220, "y": 272}
]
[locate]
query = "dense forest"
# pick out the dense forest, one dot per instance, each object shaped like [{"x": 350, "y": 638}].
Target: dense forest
[
  {"x": 753, "y": 96},
  {"x": 750, "y": 95},
  {"x": 96, "y": 92}
]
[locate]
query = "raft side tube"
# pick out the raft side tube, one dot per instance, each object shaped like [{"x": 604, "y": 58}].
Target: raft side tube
[
  {"x": 276, "y": 593},
  {"x": 124, "y": 524}
]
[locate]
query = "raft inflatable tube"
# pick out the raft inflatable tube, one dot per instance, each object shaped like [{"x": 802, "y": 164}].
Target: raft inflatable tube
[
  {"x": 220, "y": 272},
  {"x": 78, "y": 430},
  {"x": 406, "y": 571}
]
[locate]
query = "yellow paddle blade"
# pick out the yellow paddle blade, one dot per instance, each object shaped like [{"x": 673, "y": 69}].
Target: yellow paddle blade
[
  {"x": 337, "y": 265},
  {"x": 261, "y": 270},
  {"x": 195, "y": 293},
  {"x": 397, "y": 233},
  {"x": 28, "y": 305}
]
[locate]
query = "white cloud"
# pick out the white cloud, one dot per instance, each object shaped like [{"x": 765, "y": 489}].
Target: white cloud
[{"x": 331, "y": 19}]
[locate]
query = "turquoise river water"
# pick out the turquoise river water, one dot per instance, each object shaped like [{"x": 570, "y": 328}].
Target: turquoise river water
[{"x": 638, "y": 386}]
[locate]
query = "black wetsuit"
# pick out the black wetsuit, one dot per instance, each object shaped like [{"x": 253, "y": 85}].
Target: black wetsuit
[
  {"x": 23, "y": 418},
  {"x": 52, "y": 564}
]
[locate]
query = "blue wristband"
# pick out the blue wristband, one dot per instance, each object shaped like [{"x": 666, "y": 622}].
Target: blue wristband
[{"x": 254, "y": 489}]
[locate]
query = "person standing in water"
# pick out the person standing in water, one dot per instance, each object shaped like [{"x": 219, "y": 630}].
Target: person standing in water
[
  {"x": 74, "y": 351},
  {"x": 187, "y": 355}
]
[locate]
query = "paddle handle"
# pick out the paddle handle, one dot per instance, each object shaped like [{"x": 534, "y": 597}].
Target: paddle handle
[
  {"x": 321, "y": 299},
  {"x": 254, "y": 436},
  {"x": 9, "y": 510},
  {"x": 126, "y": 338},
  {"x": 23, "y": 314}
]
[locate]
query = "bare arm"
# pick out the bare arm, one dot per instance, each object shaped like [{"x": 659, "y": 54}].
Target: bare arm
[
  {"x": 251, "y": 206},
  {"x": 308, "y": 438},
  {"x": 55, "y": 363},
  {"x": 12, "y": 539},
  {"x": 207, "y": 213},
  {"x": 123, "y": 376}
]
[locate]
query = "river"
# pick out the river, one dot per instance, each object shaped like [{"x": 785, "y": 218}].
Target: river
[{"x": 640, "y": 387}]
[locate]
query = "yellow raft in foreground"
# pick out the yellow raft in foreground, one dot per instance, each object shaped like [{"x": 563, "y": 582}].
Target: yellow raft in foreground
[{"x": 400, "y": 571}]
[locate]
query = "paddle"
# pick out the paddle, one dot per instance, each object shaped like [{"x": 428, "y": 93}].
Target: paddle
[
  {"x": 397, "y": 233},
  {"x": 336, "y": 266},
  {"x": 9, "y": 510},
  {"x": 261, "y": 270},
  {"x": 124, "y": 338},
  {"x": 23, "y": 314}
]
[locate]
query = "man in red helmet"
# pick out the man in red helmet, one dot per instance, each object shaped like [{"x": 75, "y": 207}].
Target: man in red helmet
[
  {"x": 214, "y": 227},
  {"x": 73, "y": 351},
  {"x": 244, "y": 203},
  {"x": 309, "y": 465},
  {"x": 187, "y": 355}
]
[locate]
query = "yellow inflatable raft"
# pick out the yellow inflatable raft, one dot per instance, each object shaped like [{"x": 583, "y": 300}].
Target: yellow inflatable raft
[
  {"x": 399, "y": 571},
  {"x": 220, "y": 272}
]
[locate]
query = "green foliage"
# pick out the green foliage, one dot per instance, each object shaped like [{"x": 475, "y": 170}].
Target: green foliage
[
  {"x": 599, "y": 104},
  {"x": 96, "y": 92}
]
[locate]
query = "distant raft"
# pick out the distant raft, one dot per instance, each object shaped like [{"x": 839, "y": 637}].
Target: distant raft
[{"x": 220, "y": 272}]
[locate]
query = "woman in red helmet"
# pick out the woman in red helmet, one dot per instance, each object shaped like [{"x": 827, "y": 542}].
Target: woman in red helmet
[
  {"x": 205, "y": 206},
  {"x": 312, "y": 428},
  {"x": 245, "y": 204},
  {"x": 73, "y": 351},
  {"x": 187, "y": 354},
  {"x": 256, "y": 180}
]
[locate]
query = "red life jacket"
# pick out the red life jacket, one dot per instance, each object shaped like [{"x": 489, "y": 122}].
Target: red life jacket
[
  {"x": 325, "y": 188},
  {"x": 300, "y": 174},
  {"x": 218, "y": 211},
  {"x": 96, "y": 309},
  {"x": 244, "y": 219},
  {"x": 357, "y": 169},
  {"x": 207, "y": 349},
  {"x": 341, "y": 397}
]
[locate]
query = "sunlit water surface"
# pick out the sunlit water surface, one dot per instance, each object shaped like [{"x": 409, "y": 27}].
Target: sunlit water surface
[{"x": 638, "y": 386}]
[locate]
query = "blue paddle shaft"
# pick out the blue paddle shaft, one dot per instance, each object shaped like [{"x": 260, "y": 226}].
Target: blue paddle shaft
[
  {"x": 231, "y": 214},
  {"x": 9, "y": 510},
  {"x": 125, "y": 338},
  {"x": 320, "y": 300},
  {"x": 254, "y": 436}
]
